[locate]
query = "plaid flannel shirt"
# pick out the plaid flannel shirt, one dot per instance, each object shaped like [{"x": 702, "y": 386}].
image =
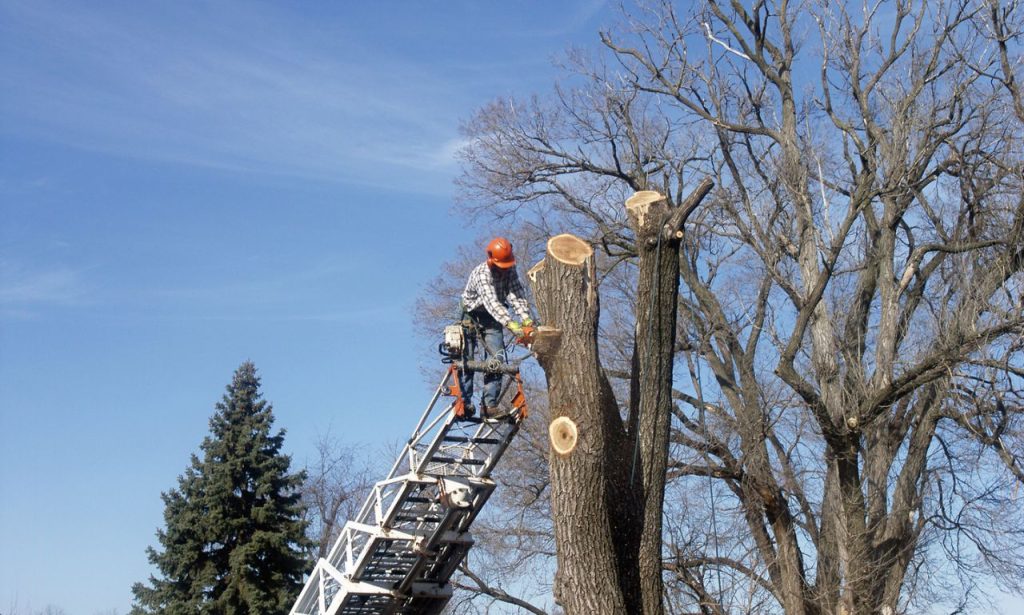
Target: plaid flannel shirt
[{"x": 495, "y": 291}]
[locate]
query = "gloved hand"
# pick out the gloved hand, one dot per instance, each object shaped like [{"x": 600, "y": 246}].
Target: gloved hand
[
  {"x": 515, "y": 328},
  {"x": 528, "y": 322}
]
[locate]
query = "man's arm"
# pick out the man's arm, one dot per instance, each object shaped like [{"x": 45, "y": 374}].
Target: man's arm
[{"x": 517, "y": 296}]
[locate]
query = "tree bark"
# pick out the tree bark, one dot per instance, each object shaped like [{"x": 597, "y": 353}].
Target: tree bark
[
  {"x": 659, "y": 231},
  {"x": 608, "y": 491},
  {"x": 594, "y": 533},
  {"x": 651, "y": 382}
]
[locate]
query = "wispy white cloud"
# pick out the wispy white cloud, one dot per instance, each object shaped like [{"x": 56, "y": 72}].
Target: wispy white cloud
[
  {"x": 209, "y": 92},
  {"x": 446, "y": 153},
  {"x": 24, "y": 291}
]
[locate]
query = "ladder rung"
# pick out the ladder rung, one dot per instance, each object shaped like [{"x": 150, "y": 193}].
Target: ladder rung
[
  {"x": 468, "y": 440},
  {"x": 465, "y": 462},
  {"x": 423, "y": 519},
  {"x": 394, "y": 556}
]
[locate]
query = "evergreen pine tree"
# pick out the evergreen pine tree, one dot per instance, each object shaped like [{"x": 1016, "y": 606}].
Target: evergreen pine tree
[{"x": 235, "y": 534}]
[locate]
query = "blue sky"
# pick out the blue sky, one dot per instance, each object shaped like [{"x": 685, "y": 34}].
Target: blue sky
[{"x": 187, "y": 185}]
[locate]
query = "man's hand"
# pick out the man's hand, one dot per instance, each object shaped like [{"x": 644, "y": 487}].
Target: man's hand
[{"x": 515, "y": 328}]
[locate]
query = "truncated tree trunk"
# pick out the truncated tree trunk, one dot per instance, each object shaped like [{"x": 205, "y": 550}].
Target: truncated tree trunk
[
  {"x": 606, "y": 500},
  {"x": 659, "y": 231},
  {"x": 595, "y": 538}
]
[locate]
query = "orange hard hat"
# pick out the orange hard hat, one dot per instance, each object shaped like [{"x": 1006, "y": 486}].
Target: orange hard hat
[{"x": 499, "y": 253}]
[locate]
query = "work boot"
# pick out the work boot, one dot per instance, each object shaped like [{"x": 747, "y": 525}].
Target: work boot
[
  {"x": 468, "y": 411},
  {"x": 494, "y": 413}
]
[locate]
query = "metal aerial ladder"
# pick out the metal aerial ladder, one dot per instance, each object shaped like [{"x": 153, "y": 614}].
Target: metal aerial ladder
[{"x": 398, "y": 555}]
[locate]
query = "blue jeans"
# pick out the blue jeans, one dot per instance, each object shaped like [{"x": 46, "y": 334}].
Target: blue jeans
[{"x": 494, "y": 345}]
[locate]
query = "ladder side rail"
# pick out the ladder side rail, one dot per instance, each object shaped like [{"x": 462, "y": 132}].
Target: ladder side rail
[
  {"x": 343, "y": 551},
  {"x": 373, "y": 499},
  {"x": 341, "y": 555},
  {"x": 402, "y": 489},
  {"x": 322, "y": 595},
  {"x": 388, "y": 492},
  {"x": 360, "y": 547},
  {"x": 437, "y": 395},
  {"x": 387, "y": 513},
  {"x": 314, "y": 603},
  {"x": 423, "y": 466},
  {"x": 416, "y": 434},
  {"x": 436, "y": 444},
  {"x": 378, "y": 504},
  {"x": 356, "y": 535},
  {"x": 306, "y": 600},
  {"x": 413, "y": 453},
  {"x": 433, "y": 539},
  {"x": 344, "y": 541},
  {"x": 405, "y": 451},
  {"x": 350, "y": 559},
  {"x": 371, "y": 532},
  {"x": 402, "y": 478}
]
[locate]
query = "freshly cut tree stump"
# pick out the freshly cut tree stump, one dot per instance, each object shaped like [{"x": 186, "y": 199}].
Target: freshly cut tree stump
[
  {"x": 569, "y": 249},
  {"x": 638, "y": 206}
]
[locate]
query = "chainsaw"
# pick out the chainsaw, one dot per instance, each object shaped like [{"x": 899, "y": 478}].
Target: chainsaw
[
  {"x": 454, "y": 344},
  {"x": 525, "y": 339}
]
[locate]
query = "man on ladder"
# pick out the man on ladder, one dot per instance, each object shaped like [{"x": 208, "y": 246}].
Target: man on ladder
[{"x": 493, "y": 287}]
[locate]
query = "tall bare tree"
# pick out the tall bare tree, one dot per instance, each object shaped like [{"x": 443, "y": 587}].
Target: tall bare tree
[
  {"x": 852, "y": 298},
  {"x": 336, "y": 485}
]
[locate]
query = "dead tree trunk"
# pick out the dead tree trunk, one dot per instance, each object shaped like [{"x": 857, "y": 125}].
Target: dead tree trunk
[{"x": 597, "y": 571}]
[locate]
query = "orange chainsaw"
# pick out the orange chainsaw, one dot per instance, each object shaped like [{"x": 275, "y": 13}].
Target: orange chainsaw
[{"x": 525, "y": 339}]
